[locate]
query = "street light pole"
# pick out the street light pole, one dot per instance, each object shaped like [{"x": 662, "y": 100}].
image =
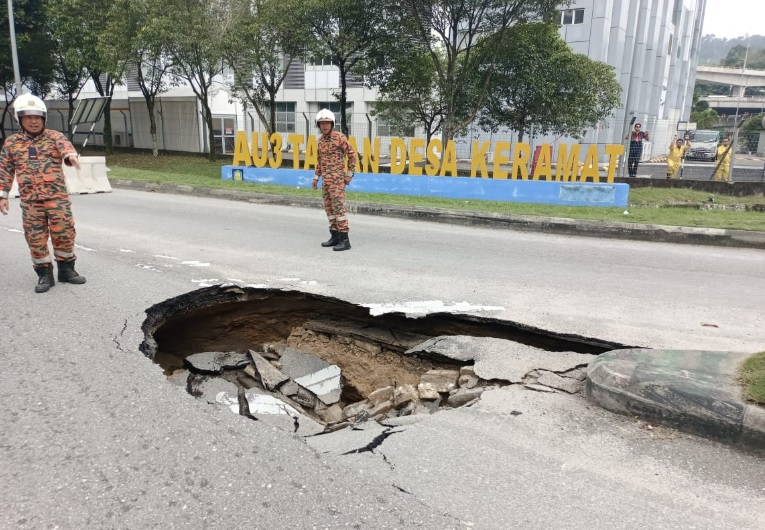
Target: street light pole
[
  {"x": 14, "y": 52},
  {"x": 734, "y": 144}
]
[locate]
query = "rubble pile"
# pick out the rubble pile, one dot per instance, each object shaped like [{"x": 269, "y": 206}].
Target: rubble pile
[{"x": 296, "y": 385}]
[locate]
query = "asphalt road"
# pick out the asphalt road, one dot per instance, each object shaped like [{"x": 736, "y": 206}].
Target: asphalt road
[{"x": 93, "y": 436}]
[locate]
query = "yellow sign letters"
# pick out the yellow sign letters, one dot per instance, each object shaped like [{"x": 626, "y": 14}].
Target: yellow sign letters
[{"x": 434, "y": 159}]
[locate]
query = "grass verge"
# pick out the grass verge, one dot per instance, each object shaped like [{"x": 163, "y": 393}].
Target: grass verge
[
  {"x": 753, "y": 376},
  {"x": 650, "y": 206}
]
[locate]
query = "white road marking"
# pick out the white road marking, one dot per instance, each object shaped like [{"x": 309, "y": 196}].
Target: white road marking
[{"x": 426, "y": 307}]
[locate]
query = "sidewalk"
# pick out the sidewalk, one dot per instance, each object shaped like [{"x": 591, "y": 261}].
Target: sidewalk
[
  {"x": 693, "y": 391},
  {"x": 550, "y": 225}
]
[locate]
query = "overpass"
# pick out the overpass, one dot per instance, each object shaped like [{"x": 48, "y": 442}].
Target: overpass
[{"x": 739, "y": 78}]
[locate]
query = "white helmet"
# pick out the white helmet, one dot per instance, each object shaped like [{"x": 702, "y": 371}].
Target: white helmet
[
  {"x": 29, "y": 105},
  {"x": 325, "y": 115}
]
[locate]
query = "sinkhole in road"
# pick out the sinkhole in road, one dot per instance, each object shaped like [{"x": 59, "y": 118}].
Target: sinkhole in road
[{"x": 317, "y": 363}]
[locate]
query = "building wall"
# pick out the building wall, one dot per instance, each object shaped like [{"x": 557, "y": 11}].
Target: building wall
[{"x": 653, "y": 47}]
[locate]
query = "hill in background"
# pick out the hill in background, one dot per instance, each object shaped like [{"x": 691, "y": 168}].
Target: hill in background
[{"x": 715, "y": 49}]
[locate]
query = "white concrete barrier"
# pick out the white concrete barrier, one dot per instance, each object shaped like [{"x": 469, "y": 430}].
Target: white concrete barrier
[{"x": 90, "y": 178}]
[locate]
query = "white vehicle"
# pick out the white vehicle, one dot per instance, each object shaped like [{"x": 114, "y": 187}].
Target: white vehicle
[{"x": 703, "y": 145}]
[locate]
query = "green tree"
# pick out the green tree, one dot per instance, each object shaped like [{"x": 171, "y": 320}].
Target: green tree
[
  {"x": 136, "y": 36},
  {"x": 539, "y": 83},
  {"x": 71, "y": 51},
  {"x": 755, "y": 58},
  {"x": 33, "y": 47},
  {"x": 194, "y": 34},
  {"x": 259, "y": 46},
  {"x": 343, "y": 31},
  {"x": 84, "y": 36},
  {"x": 705, "y": 119},
  {"x": 453, "y": 33},
  {"x": 750, "y": 132},
  {"x": 409, "y": 97}
]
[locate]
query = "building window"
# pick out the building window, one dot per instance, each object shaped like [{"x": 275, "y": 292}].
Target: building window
[
  {"x": 323, "y": 61},
  {"x": 224, "y": 131},
  {"x": 285, "y": 117},
  {"x": 386, "y": 129},
  {"x": 571, "y": 16}
]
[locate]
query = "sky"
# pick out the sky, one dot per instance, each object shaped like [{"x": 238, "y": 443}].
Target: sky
[{"x": 734, "y": 18}]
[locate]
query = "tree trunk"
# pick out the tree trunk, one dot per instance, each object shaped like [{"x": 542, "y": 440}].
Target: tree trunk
[{"x": 343, "y": 98}]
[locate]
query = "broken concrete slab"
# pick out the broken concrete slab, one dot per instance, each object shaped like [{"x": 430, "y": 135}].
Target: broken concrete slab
[
  {"x": 325, "y": 384},
  {"x": 269, "y": 376},
  {"x": 404, "y": 394},
  {"x": 380, "y": 395},
  {"x": 215, "y": 362},
  {"x": 208, "y": 388},
  {"x": 498, "y": 361},
  {"x": 179, "y": 378},
  {"x": 355, "y": 408},
  {"x": 499, "y": 358},
  {"x": 463, "y": 396},
  {"x": 313, "y": 374},
  {"x": 428, "y": 392},
  {"x": 454, "y": 347},
  {"x": 566, "y": 384}
]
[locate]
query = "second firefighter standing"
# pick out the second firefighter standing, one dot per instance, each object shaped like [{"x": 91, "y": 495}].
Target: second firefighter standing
[{"x": 333, "y": 149}]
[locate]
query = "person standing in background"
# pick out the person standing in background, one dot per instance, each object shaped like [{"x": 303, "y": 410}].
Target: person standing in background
[
  {"x": 722, "y": 173},
  {"x": 636, "y": 137},
  {"x": 676, "y": 154}
]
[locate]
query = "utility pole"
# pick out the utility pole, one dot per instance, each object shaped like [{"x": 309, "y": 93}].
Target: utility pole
[
  {"x": 734, "y": 143},
  {"x": 14, "y": 52}
]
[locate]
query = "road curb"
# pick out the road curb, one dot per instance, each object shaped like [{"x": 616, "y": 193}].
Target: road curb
[
  {"x": 693, "y": 391},
  {"x": 549, "y": 225}
]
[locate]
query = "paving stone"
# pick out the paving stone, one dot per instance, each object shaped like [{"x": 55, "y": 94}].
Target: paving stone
[
  {"x": 355, "y": 408},
  {"x": 463, "y": 396},
  {"x": 441, "y": 380},
  {"x": 404, "y": 394},
  {"x": 380, "y": 395},
  {"x": 427, "y": 391}
]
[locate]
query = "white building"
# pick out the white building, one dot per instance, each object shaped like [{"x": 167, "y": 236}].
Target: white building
[{"x": 653, "y": 47}]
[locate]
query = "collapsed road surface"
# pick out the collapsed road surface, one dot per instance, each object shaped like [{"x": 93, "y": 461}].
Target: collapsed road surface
[{"x": 317, "y": 364}]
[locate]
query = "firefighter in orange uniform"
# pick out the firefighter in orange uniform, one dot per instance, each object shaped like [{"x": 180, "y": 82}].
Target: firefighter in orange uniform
[
  {"x": 33, "y": 156},
  {"x": 333, "y": 149}
]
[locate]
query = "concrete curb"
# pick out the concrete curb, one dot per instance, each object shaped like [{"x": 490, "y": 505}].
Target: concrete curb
[
  {"x": 550, "y": 225},
  {"x": 693, "y": 391}
]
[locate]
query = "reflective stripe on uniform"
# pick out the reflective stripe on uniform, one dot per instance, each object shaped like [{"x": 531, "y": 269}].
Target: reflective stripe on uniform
[
  {"x": 341, "y": 218},
  {"x": 40, "y": 261},
  {"x": 63, "y": 254}
]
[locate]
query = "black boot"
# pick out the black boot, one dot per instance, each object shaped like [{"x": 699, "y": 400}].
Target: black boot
[
  {"x": 333, "y": 240},
  {"x": 344, "y": 243},
  {"x": 67, "y": 274},
  {"x": 45, "y": 278}
]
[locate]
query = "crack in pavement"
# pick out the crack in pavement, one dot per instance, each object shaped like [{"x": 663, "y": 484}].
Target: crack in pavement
[{"x": 376, "y": 442}]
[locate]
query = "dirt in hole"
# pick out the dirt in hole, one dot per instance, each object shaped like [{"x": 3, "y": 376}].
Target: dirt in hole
[{"x": 365, "y": 366}]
